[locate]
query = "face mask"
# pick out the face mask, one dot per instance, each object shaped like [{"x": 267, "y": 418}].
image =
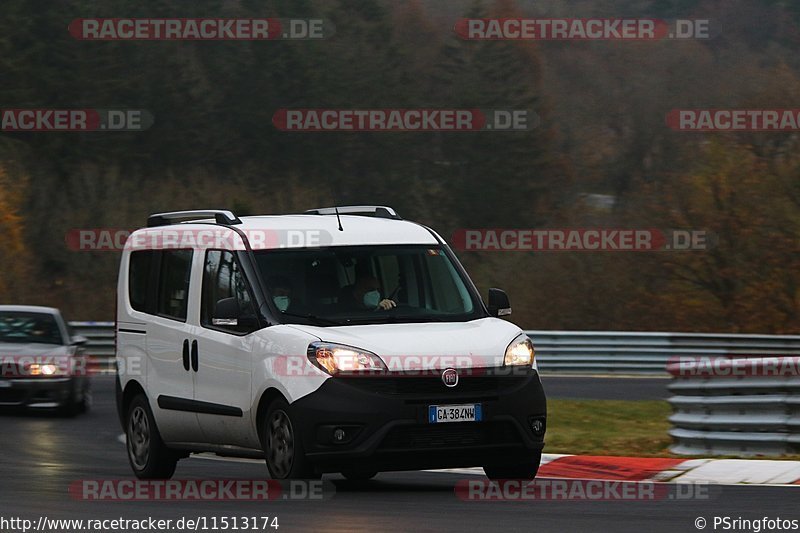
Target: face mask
[
  {"x": 281, "y": 302},
  {"x": 372, "y": 299}
]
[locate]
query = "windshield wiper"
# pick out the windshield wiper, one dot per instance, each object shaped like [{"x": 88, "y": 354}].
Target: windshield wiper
[
  {"x": 415, "y": 318},
  {"x": 392, "y": 319},
  {"x": 315, "y": 318}
]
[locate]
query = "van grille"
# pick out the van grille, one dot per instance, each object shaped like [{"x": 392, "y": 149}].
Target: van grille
[{"x": 451, "y": 435}]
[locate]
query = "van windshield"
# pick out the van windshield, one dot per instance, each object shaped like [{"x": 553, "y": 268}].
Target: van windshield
[{"x": 367, "y": 284}]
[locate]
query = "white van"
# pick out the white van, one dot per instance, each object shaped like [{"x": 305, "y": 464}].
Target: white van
[{"x": 339, "y": 340}]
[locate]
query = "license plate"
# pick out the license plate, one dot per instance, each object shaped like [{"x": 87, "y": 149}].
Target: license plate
[
  {"x": 5, "y": 384},
  {"x": 470, "y": 412}
]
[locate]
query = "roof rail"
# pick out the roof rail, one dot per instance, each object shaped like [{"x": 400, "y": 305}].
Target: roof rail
[
  {"x": 222, "y": 216},
  {"x": 378, "y": 211}
]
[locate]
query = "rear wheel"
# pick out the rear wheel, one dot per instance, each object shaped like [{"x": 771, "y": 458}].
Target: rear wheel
[
  {"x": 283, "y": 447},
  {"x": 526, "y": 469},
  {"x": 147, "y": 454}
]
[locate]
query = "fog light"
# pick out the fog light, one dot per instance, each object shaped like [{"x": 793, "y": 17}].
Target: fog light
[{"x": 339, "y": 435}]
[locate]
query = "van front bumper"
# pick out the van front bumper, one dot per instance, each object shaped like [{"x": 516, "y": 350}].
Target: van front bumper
[{"x": 382, "y": 423}]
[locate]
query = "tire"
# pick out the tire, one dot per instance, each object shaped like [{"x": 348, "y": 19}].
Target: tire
[
  {"x": 85, "y": 404},
  {"x": 524, "y": 470},
  {"x": 148, "y": 456},
  {"x": 356, "y": 474},
  {"x": 75, "y": 405},
  {"x": 283, "y": 447}
]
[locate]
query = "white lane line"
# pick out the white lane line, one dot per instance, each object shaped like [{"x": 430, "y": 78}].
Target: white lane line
[
  {"x": 208, "y": 456},
  {"x": 214, "y": 457},
  {"x": 546, "y": 458},
  {"x": 466, "y": 471}
]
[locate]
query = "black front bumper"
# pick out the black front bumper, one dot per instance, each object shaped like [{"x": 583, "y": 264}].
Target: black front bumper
[
  {"x": 385, "y": 422},
  {"x": 39, "y": 393}
]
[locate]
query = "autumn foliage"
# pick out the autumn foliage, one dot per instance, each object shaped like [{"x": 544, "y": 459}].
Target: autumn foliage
[
  {"x": 600, "y": 130},
  {"x": 14, "y": 257}
]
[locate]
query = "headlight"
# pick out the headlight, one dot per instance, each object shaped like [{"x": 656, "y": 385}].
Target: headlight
[
  {"x": 37, "y": 369},
  {"x": 338, "y": 358},
  {"x": 520, "y": 352}
]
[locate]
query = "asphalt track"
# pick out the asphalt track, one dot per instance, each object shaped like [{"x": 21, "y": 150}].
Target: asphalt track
[{"x": 42, "y": 455}]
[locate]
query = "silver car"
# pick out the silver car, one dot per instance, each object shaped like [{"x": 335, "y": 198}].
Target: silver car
[{"x": 42, "y": 366}]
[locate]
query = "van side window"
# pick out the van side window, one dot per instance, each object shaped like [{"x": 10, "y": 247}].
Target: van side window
[
  {"x": 173, "y": 287},
  {"x": 138, "y": 278},
  {"x": 223, "y": 280}
]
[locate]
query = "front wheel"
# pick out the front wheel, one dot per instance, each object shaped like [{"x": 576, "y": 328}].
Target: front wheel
[
  {"x": 283, "y": 447},
  {"x": 85, "y": 403},
  {"x": 526, "y": 469},
  {"x": 147, "y": 454},
  {"x": 77, "y": 402}
]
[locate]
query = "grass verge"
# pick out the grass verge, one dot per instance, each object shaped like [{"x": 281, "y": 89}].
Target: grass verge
[
  {"x": 615, "y": 427},
  {"x": 608, "y": 427}
]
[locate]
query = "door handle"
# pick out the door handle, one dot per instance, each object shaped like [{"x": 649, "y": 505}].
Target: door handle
[
  {"x": 186, "y": 354},
  {"x": 194, "y": 356}
]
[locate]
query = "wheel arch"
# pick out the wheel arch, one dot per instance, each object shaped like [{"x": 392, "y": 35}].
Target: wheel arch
[
  {"x": 267, "y": 397},
  {"x": 132, "y": 389}
]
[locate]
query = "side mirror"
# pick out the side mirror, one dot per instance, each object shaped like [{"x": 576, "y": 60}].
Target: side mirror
[
  {"x": 78, "y": 340},
  {"x": 498, "y": 303},
  {"x": 226, "y": 312}
]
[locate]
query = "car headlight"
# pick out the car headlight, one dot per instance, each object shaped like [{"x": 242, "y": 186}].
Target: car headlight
[
  {"x": 337, "y": 358},
  {"x": 37, "y": 369},
  {"x": 520, "y": 352}
]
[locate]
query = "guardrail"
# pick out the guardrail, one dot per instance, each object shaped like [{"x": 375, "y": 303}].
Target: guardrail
[
  {"x": 618, "y": 352},
  {"x": 100, "y": 335},
  {"x": 735, "y": 406}
]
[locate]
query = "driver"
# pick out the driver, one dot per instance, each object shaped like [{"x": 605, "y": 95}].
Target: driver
[{"x": 365, "y": 294}]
